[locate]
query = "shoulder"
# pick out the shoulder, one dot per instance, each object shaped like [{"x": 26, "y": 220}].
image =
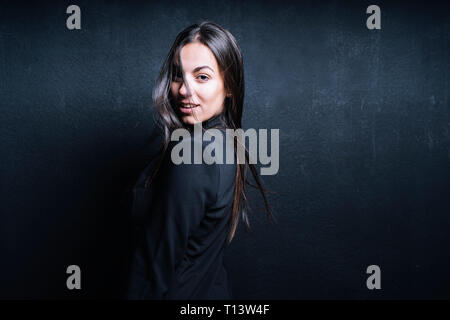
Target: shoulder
[
  {"x": 204, "y": 156},
  {"x": 181, "y": 174},
  {"x": 206, "y": 147}
]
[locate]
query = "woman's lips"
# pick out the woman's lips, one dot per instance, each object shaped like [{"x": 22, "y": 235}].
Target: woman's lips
[{"x": 188, "y": 108}]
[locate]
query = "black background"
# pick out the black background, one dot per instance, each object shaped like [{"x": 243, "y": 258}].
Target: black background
[{"x": 364, "y": 143}]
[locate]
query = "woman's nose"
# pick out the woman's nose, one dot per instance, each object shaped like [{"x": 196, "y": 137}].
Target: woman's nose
[{"x": 183, "y": 89}]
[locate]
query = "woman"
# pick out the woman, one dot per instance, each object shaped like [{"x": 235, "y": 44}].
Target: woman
[{"x": 185, "y": 214}]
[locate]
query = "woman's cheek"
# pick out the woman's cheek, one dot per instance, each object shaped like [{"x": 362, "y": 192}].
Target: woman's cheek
[
  {"x": 209, "y": 90},
  {"x": 173, "y": 90}
]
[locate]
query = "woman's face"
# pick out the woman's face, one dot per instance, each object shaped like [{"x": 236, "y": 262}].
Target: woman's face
[{"x": 205, "y": 82}]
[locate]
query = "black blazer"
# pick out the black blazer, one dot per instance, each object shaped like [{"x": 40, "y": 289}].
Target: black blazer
[{"x": 180, "y": 226}]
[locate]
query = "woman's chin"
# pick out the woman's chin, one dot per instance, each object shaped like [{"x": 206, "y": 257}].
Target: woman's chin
[{"x": 189, "y": 119}]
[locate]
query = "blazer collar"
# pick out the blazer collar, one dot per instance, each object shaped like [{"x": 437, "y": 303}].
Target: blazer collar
[{"x": 215, "y": 121}]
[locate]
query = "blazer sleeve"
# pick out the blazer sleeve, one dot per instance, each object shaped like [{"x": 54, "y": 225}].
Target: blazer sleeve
[{"x": 184, "y": 193}]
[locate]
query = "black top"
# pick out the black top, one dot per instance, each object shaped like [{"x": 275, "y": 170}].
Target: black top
[{"x": 180, "y": 227}]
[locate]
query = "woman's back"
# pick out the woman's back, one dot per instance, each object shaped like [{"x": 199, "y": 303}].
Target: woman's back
[{"x": 181, "y": 226}]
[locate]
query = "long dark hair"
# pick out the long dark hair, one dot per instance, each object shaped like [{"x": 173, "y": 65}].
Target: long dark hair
[{"x": 229, "y": 58}]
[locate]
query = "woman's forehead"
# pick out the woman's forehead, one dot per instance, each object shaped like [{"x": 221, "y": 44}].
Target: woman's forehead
[{"x": 194, "y": 55}]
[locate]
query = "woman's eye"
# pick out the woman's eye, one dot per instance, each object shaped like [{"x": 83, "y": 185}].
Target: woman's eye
[{"x": 203, "y": 77}]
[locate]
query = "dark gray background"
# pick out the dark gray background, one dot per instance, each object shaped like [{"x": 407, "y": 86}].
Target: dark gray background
[{"x": 364, "y": 143}]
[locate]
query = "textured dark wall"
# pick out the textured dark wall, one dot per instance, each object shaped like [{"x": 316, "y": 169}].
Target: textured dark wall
[{"x": 364, "y": 143}]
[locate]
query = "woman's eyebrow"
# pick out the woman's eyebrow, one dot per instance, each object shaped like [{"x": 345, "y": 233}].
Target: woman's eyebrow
[
  {"x": 176, "y": 67},
  {"x": 201, "y": 67}
]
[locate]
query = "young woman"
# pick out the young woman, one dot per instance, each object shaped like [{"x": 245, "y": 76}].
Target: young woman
[{"x": 185, "y": 214}]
